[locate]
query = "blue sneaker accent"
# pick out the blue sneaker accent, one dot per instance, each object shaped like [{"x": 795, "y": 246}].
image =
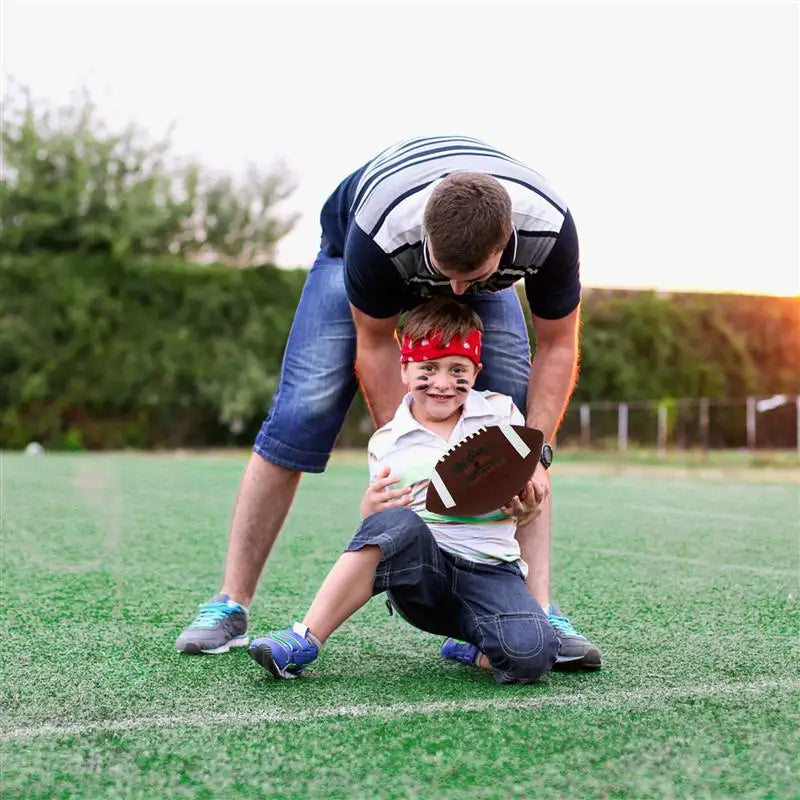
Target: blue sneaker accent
[
  {"x": 219, "y": 625},
  {"x": 284, "y": 653},
  {"x": 574, "y": 649},
  {"x": 464, "y": 652}
]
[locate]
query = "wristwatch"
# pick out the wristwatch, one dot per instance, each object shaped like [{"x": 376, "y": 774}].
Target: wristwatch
[{"x": 546, "y": 458}]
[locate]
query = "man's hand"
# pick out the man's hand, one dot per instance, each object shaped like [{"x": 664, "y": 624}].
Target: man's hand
[
  {"x": 527, "y": 505},
  {"x": 379, "y": 497}
]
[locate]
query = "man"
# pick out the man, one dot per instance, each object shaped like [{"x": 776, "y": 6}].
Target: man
[{"x": 430, "y": 216}]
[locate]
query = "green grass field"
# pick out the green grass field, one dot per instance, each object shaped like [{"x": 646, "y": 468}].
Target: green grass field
[{"x": 689, "y": 584}]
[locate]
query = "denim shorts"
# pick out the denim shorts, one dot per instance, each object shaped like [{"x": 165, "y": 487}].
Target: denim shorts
[
  {"x": 317, "y": 381},
  {"x": 488, "y": 605}
]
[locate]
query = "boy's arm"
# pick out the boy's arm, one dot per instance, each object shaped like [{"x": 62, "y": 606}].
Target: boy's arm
[{"x": 379, "y": 496}]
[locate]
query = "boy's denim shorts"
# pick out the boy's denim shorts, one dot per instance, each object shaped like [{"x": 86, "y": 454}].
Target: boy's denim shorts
[
  {"x": 488, "y": 605},
  {"x": 317, "y": 381}
]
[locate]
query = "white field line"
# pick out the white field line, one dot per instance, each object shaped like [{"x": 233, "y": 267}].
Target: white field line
[
  {"x": 672, "y": 511},
  {"x": 589, "y": 701},
  {"x": 645, "y": 555},
  {"x": 733, "y": 516}
]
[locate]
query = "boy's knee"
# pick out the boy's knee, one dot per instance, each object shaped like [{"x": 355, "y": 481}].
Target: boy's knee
[
  {"x": 393, "y": 530},
  {"x": 523, "y": 648}
]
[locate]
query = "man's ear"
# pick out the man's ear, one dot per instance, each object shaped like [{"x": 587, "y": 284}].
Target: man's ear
[{"x": 478, "y": 368}]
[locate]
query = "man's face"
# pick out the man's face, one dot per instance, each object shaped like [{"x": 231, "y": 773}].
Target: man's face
[
  {"x": 461, "y": 281},
  {"x": 439, "y": 386}
]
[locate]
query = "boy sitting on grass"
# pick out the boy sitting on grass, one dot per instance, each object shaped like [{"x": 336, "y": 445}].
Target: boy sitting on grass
[{"x": 455, "y": 577}]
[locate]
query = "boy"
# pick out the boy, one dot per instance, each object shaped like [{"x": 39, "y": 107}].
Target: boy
[{"x": 456, "y": 577}]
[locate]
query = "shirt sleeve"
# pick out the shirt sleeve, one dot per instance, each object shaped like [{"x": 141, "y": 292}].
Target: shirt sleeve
[
  {"x": 555, "y": 290},
  {"x": 517, "y": 417},
  {"x": 373, "y": 283},
  {"x": 374, "y": 464}
]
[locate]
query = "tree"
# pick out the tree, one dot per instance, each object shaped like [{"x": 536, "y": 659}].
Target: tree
[
  {"x": 70, "y": 184},
  {"x": 237, "y": 221}
]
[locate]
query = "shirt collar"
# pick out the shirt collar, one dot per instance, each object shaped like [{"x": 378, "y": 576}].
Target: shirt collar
[{"x": 403, "y": 422}]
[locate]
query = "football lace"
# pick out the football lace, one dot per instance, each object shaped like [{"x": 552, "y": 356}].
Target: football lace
[{"x": 456, "y": 446}]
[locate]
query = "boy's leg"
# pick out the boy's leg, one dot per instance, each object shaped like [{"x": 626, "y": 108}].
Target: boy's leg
[
  {"x": 504, "y": 621},
  {"x": 348, "y": 587},
  {"x": 390, "y": 549},
  {"x": 316, "y": 386}
]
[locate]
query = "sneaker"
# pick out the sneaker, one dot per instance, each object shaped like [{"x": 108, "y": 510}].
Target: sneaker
[
  {"x": 575, "y": 651},
  {"x": 464, "y": 652},
  {"x": 285, "y": 653},
  {"x": 220, "y": 625}
]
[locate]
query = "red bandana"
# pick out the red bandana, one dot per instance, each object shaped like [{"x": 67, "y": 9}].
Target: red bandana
[{"x": 433, "y": 347}]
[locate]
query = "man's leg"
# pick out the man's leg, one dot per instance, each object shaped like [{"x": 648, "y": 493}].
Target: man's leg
[
  {"x": 265, "y": 496},
  {"x": 506, "y": 368},
  {"x": 534, "y": 541},
  {"x": 316, "y": 386}
]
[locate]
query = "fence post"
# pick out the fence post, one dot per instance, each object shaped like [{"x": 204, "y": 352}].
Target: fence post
[
  {"x": 662, "y": 430},
  {"x": 622, "y": 427},
  {"x": 703, "y": 431},
  {"x": 750, "y": 423},
  {"x": 586, "y": 416}
]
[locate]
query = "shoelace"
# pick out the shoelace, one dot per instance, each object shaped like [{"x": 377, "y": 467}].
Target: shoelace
[
  {"x": 563, "y": 625},
  {"x": 211, "y": 614}
]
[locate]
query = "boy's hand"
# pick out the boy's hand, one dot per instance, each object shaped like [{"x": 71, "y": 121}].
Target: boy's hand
[
  {"x": 527, "y": 505},
  {"x": 379, "y": 497}
]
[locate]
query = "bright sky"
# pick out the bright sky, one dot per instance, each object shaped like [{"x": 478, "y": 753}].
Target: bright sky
[{"x": 670, "y": 130}]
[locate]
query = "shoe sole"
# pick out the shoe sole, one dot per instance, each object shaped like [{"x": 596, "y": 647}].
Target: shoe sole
[
  {"x": 263, "y": 657},
  {"x": 192, "y": 649},
  {"x": 591, "y": 661}
]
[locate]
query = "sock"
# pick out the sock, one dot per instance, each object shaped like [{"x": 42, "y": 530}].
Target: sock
[{"x": 304, "y": 631}]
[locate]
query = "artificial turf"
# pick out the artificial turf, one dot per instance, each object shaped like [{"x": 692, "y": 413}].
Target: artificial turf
[{"x": 690, "y": 587}]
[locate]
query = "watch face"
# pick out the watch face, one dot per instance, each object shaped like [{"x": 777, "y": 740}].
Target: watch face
[{"x": 547, "y": 455}]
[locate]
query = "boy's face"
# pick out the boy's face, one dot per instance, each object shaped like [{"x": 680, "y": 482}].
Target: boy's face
[{"x": 439, "y": 386}]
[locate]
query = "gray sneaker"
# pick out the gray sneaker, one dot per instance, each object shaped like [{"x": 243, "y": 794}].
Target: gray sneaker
[
  {"x": 220, "y": 625},
  {"x": 575, "y": 651}
]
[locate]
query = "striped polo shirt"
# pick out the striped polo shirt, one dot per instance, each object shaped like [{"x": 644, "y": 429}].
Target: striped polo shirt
[
  {"x": 374, "y": 219},
  {"x": 411, "y": 451}
]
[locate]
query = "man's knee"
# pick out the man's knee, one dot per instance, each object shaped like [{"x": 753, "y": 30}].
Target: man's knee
[{"x": 520, "y": 647}]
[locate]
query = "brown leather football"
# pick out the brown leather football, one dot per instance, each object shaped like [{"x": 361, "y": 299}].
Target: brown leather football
[{"x": 484, "y": 470}]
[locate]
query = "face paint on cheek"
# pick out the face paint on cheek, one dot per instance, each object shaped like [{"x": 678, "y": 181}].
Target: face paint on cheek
[
  {"x": 462, "y": 385},
  {"x": 422, "y": 383}
]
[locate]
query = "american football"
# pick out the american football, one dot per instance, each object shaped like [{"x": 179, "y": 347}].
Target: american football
[{"x": 484, "y": 470}]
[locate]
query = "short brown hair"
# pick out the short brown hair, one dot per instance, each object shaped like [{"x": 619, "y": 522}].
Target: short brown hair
[
  {"x": 467, "y": 219},
  {"x": 455, "y": 320}
]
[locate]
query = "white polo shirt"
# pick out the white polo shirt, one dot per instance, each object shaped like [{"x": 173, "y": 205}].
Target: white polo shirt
[{"x": 411, "y": 451}]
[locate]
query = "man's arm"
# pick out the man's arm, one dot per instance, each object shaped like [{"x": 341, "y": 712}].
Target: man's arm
[
  {"x": 553, "y": 372},
  {"x": 378, "y": 365}
]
